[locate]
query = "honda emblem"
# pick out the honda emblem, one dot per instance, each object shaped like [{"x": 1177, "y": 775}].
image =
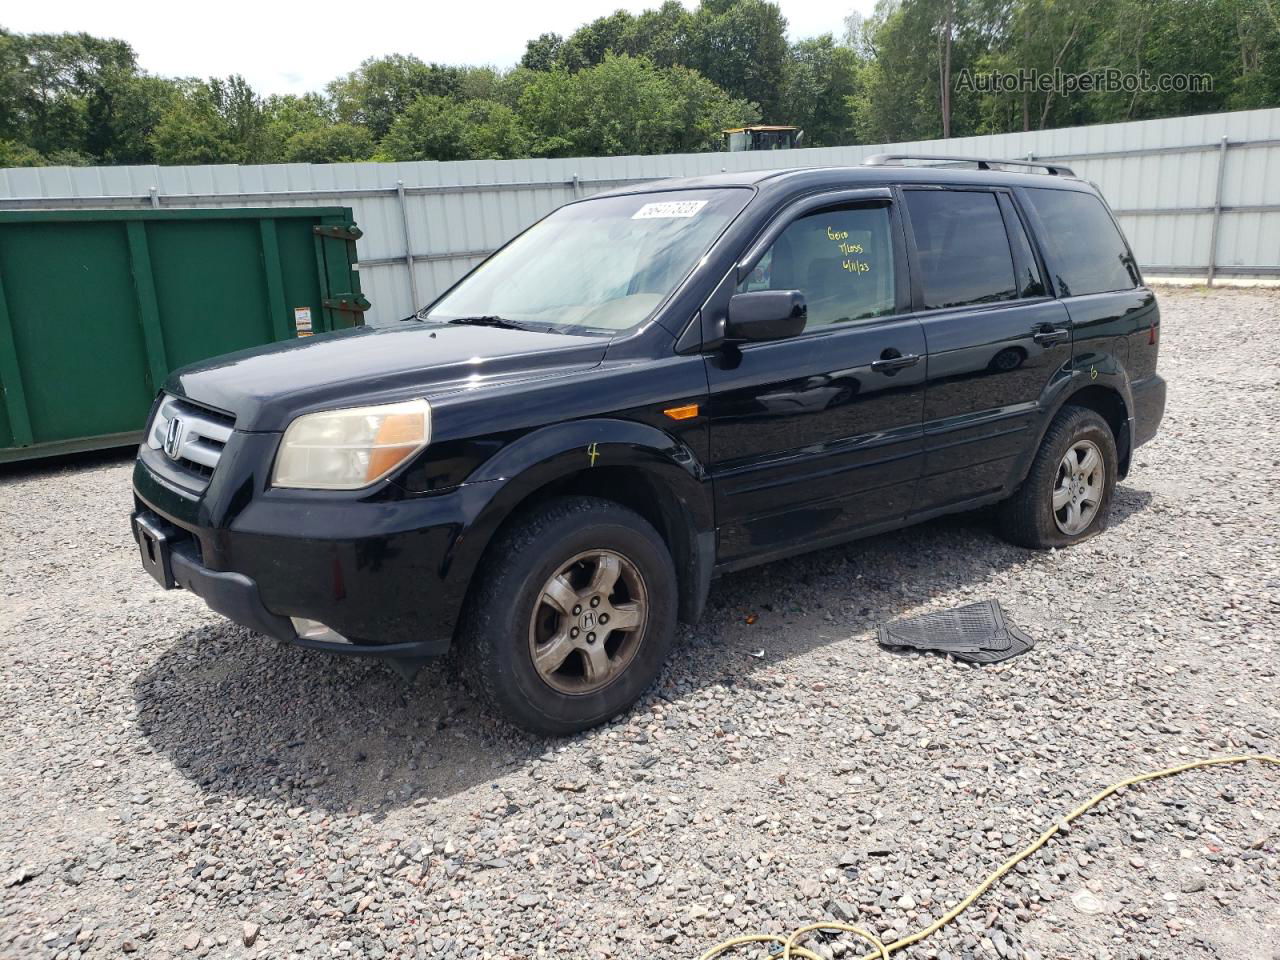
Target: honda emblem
[{"x": 173, "y": 439}]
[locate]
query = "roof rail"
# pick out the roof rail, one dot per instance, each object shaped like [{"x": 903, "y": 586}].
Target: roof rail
[{"x": 983, "y": 163}]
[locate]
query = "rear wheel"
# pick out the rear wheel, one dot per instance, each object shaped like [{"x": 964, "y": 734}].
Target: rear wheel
[
  {"x": 1067, "y": 494},
  {"x": 573, "y": 616}
]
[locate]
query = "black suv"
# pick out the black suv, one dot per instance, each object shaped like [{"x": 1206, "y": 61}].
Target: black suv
[{"x": 648, "y": 388}]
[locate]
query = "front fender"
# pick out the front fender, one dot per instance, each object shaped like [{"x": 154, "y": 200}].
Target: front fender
[{"x": 554, "y": 453}]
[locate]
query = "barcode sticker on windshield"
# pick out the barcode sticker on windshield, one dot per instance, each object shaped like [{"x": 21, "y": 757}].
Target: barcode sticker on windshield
[{"x": 668, "y": 209}]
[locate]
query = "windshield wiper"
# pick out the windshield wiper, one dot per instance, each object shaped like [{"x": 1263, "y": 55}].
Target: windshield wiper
[{"x": 490, "y": 320}]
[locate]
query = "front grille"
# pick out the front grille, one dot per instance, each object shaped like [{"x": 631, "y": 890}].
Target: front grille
[{"x": 195, "y": 443}]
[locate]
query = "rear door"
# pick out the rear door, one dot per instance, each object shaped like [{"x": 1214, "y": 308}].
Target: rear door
[
  {"x": 817, "y": 436},
  {"x": 996, "y": 340},
  {"x": 1113, "y": 315}
]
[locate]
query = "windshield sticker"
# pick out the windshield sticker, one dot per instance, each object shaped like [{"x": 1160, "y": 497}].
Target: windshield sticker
[{"x": 669, "y": 209}]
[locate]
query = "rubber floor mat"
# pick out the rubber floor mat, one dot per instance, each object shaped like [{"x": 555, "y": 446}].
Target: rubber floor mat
[{"x": 975, "y": 633}]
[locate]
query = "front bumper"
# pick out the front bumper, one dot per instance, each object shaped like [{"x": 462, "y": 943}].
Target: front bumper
[
  {"x": 237, "y": 597},
  {"x": 382, "y": 572}
]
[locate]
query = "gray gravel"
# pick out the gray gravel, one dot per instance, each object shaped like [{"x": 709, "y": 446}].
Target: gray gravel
[{"x": 175, "y": 786}]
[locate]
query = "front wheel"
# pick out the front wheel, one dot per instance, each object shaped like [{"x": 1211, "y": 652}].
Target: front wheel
[
  {"x": 1067, "y": 493},
  {"x": 573, "y": 617}
]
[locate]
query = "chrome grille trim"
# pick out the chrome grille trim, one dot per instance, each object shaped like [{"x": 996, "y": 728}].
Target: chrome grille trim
[{"x": 199, "y": 439}]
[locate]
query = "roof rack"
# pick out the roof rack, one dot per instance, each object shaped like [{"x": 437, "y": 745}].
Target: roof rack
[{"x": 983, "y": 163}]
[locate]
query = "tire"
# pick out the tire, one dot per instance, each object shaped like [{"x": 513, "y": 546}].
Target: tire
[
  {"x": 518, "y": 621},
  {"x": 1029, "y": 518}
]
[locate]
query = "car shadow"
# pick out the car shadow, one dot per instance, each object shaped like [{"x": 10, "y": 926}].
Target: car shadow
[{"x": 249, "y": 718}]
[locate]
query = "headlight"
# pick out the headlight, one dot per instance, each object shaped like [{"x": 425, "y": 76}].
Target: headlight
[{"x": 349, "y": 449}]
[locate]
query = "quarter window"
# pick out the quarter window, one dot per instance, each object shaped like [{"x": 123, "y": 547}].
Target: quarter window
[
  {"x": 841, "y": 260},
  {"x": 1089, "y": 254},
  {"x": 962, "y": 247}
]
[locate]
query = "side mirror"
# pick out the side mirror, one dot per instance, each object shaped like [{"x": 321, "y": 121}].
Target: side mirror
[{"x": 766, "y": 315}]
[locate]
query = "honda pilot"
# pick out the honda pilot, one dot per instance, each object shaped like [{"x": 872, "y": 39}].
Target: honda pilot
[{"x": 544, "y": 470}]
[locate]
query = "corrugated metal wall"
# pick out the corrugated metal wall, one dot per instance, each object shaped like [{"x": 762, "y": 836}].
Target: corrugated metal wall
[{"x": 1161, "y": 176}]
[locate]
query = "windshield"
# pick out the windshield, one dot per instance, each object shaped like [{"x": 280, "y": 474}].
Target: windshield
[{"x": 599, "y": 266}]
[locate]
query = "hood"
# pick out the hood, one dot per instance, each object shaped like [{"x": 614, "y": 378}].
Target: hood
[{"x": 266, "y": 387}]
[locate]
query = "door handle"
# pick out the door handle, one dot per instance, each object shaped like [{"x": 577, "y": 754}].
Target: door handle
[
  {"x": 891, "y": 361},
  {"x": 1047, "y": 336}
]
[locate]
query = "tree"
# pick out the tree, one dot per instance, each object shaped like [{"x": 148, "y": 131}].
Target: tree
[
  {"x": 741, "y": 46},
  {"x": 663, "y": 35},
  {"x": 589, "y": 45},
  {"x": 699, "y": 112},
  {"x": 917, "y": 50},
  {"x": 191, "y": 131},
  {"x": 436, "y": 128},
  {"x": 287, "y": 116},
  {"x": 665, "y": 79},
  {"x": 946, "y": 39},
  {"x": 479, "y": 83},
  {"x": 45, "y": 82},
  {"x": 430, "y": 128},
  {"x": 627, "y": 105},
  {"x": 241, "y": 110},
  {"x": 214, "y": 121},
  {"x": 898, "y": 99},
  {"x": 122, "y": 114},
  {"x": 494, "y": 131},
  {"x": 336, "y": 143},
  {"x": 382, "y": 89},
  {"x": 820, "y": 83},
  {"x": 542, "y": 53},
  {"x": 1233, "y": 41},
  {"x": 15, "y": 154},
  {"x": 1258, "y": 36},
  {"x": 616, "y": 107}
]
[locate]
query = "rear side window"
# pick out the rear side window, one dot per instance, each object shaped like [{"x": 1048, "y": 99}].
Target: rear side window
[
  {"x": 1089, "y": 254},
  {"x": 841, "y": 259},
  {"x": 962, "y": 248}
]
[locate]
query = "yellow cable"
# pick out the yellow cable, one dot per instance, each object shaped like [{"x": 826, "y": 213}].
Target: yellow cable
[{"x": 881, "y": 951}]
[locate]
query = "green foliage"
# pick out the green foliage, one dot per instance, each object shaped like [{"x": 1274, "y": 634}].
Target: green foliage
[
  {"x": 123, "y": 112},
  {"x": 437, "y": 128},
  {"x": 667, "y": 79},
  {"x": 335, "y": 143},
  {"x": 214, "y": 121},
  {"x": 542, "y": 53},
  {"x": 192, "y": 131},
  {"x": 741, "y": 45},
  {"x": 819, "y": 90},
  {"x": 494, "y": 131},
  {"x": 14, "y": 154},
  {"x": 383, "y": 88},
  {"x": 627, "y": 105},
  {"x": 46, "y": 81}
]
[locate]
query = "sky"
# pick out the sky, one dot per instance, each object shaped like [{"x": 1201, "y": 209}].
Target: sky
[{"x": 293, "y": 48}]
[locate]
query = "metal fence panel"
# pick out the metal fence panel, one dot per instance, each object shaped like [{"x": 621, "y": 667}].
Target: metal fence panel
[{"x": 1161, "y": 176}]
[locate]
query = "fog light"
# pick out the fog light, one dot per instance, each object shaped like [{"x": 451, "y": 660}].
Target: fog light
[{"x": 317, "y": 631}]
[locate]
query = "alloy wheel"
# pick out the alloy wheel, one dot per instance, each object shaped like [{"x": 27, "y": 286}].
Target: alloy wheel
[
  {"x": 1079, "y": 487},
  {"x": 588, "y": 622}
]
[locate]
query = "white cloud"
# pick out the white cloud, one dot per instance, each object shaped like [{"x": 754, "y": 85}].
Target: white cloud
[{"x": 292, "y": 48}]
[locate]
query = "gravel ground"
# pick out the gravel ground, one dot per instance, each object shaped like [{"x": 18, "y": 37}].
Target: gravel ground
[{"x": 175, "y": 786}]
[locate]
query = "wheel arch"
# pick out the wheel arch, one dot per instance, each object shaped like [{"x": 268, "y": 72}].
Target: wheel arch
[
  {"x": 634, "y": 465},
  {"x": 1109, "y": 403},
  {"x": 1108, "y": 397}
]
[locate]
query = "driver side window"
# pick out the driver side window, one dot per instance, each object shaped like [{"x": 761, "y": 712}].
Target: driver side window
[{"x": 841, "y": 259}]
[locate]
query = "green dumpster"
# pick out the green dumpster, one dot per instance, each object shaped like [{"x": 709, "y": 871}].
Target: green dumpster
[{"x": 97, "y": 306}]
